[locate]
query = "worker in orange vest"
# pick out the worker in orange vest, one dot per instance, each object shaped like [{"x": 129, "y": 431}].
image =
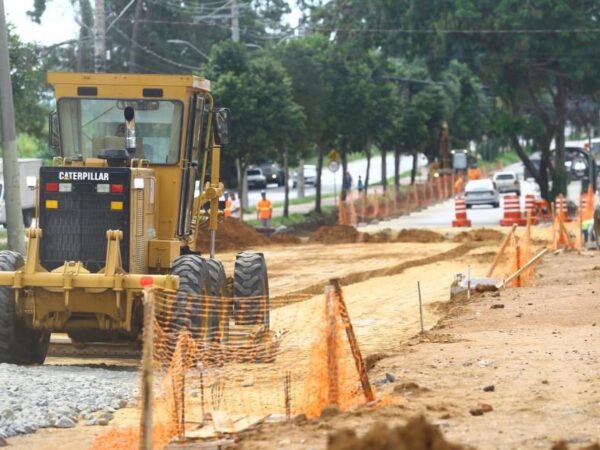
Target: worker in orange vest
[
  {"x": 474, "y": 172},
  {"x": 459, "y": 184},
  {"x": 264, "y": 210},
  {"x": 227, "y": 210}
]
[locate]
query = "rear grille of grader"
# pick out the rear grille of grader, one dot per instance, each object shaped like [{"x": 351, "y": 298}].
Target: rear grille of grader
[{"x": 74, "y": 227}]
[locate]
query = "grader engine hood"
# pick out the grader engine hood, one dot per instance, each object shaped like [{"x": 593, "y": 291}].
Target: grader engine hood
[{"x": 77, "y": 206}]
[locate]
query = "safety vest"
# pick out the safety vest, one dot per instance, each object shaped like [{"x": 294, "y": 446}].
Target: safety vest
[
  {"x": 264, "y": 209},
  {"x": 227, "y": 211},
  {"x": 474, "y": 173}
]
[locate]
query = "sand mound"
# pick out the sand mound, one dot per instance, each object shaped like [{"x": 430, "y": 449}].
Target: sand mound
[
  {"x": 417, "y": 434},
  {"x": 379, "y": 237},
  {"x": 233, "y": 234},
  {"x": 406, "y": 235},
  {"x": 418, "y": 235},
  {"x": 284, "y": 239},
  {"x": 482, "y": 234},
  {"x": 337, "y": 234}
]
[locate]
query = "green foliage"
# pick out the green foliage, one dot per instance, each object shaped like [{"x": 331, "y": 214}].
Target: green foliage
[
  {"x": 265, "y": 117},
  {"x": 364, "y": 74},
  {"x": 28, "y": 86}
]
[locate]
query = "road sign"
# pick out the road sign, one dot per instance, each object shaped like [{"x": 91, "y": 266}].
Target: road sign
[
  {"x": 333, "y": 155},
  {"x": 334, "y": 166}
]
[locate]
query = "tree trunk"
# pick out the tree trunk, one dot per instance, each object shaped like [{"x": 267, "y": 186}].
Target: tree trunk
[
  {"x": 344, "y": 169},
  {"x": 242, "y": 186},
  {"x": 368, "y": 172},
  {"x": 559, "y": 178},
  {"x": 300, "y": 179},
  {"x": 540, "y": 176},
  {"x": 286, "y": 188},
  {"x": 384, "y": 169},
  {"x": 134, "y": 37},
  {"x": 413, "y": 170},
  {"x": 320, "y": 155},
  {"x": 397, "y": 169},
  {"x": 12, "y": 185},
  {"x": 99, "y": 37}
]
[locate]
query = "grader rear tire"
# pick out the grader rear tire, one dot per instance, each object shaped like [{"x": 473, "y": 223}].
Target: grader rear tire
[
  {"x": 18, "y": 344},
  {"x": 221, "y": 307},
  {"x": 251, "y": 289}
]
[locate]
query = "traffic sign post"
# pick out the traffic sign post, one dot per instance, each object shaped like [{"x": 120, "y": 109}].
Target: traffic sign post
[{"x": 334, "y": 166}]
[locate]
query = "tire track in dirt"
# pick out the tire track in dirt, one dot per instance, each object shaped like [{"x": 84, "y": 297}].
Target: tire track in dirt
[{"x": 357, "y": 277}]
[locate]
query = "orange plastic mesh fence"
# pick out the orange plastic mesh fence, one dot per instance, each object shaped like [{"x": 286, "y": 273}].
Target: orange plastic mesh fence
[
  {"x": 587, "y": 204},
  {"x": 565, "y": 231},
  {"x": 515, "y": 255},
  {"x": 216, "y": 363},
  {"x": 382, "y": 204}
]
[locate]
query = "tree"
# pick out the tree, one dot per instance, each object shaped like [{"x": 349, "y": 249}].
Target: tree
[
  {"x": 28, "y": 86},
  {"x": 351, "y": 108},
  {"x": 265, "y": 118},
  {"x": 306, "y": 62},
  {"x": 532, "y": 72}
]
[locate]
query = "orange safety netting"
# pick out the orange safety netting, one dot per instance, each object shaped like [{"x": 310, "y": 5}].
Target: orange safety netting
[
  {"x": 587, "y": 204},
  {"x": 385, "y": 203},
  {"x": 220, "y": 365},
  {"x": 514, "y": 253},
  {"x": 565, "y": 230}
]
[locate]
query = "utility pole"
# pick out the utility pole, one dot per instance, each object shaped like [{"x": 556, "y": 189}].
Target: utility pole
[
  {"x": 99, "y": 37},
  {"x": 235, "y": 22},
  {"x": 12, "y": 185}
]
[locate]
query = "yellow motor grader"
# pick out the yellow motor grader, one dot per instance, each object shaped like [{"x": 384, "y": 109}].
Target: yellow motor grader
[{"x": 117, "y": 211}]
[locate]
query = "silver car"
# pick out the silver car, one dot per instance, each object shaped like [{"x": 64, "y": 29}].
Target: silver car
[
  {"x": 482, "y": 192},
  {"x": 256, "y": 179},
  {"x": 507, "y": 182},
  {"x": 310, "y": 176}
]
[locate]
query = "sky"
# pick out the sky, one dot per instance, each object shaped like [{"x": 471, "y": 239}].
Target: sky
[{"x": 58, "y": 23}]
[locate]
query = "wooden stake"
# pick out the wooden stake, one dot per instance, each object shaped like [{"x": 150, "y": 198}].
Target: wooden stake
[
  {"x": 332, "y": 353},
  {"x": 287, "y": 394},
  {"x": 358, "y": 360},
  {"x": 501, "y": 250},
  {"x": 522, "y": 269},
  {"x": 147, "y": 372},
  {"x": 420, "y": 307}
]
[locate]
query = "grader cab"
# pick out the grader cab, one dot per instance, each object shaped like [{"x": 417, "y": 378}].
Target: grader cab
[{"x": 116, "y": 213}]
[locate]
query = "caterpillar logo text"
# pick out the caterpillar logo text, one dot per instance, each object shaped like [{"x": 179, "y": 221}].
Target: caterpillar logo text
[{"x": 83, "y": 176}]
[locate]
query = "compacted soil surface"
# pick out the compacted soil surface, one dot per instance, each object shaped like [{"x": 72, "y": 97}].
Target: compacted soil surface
[{"x": 515, "y": 369}]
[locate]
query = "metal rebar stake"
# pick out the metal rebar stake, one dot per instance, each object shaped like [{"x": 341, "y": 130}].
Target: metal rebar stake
[{"x": 420, "y": 307}]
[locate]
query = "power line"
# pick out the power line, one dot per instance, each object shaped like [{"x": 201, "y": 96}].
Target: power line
[
  {"x": 153, "y": 53},
  {"x": 458, "y": 31}
]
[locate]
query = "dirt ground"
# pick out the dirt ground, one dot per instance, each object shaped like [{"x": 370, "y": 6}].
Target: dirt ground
[
  {"x": 512, "y": 370},
  {"x": 380, "y": 288},
  {"x": 372, "y": 273}
]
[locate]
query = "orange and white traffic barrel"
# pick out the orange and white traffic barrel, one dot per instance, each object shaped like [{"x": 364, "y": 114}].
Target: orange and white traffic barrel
[
  {"x": 460, "y": 210},
  {"x": 530, "y": 208},
  {"x": 512, "y": 212}
]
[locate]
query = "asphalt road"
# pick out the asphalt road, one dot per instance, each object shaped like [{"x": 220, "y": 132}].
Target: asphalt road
[
  {"x": 441, "y": 215},
  {"x": 331, "y": 182}
]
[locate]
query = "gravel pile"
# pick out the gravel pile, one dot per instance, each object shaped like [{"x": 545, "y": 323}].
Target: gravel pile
[{"x": 60, "y": 396}]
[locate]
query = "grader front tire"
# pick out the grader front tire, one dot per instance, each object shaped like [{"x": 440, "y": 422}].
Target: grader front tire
[{"x": 18, "y": 344}]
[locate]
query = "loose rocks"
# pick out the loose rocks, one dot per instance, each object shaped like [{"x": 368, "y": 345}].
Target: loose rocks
[{"x": 60, "y": 396}]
